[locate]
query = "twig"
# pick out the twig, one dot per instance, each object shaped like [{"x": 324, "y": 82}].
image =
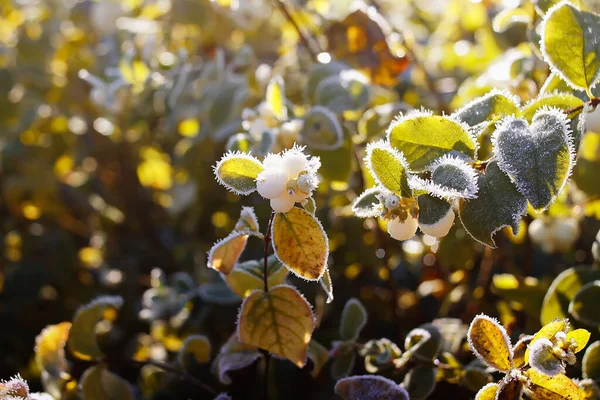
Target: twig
[
  {"x": 266, "y": 257},
  {"x": 168, "y": 368},
  {"x": 283, "y": 8},
  {"x": 593, "y": 102}
]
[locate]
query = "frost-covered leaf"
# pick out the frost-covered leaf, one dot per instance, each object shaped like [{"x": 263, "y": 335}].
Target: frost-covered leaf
[
  {"x": 563, "y": 290},
  {"x": 432, "y": 209},
  {"x": 571, "y": 44},
  {"x": 509, "y": 388},
  {"x": 275, "y": 98},
  {"x": 558, "y": 387},
  {"x": 388, "y": 167},
  {"x": 369, "y": 387},
  {"x": 422, "y": 138},
  {"x": 490, "y": 343},
  {"x": 424, "y": 343},
  {"x": 451, "y": 178},
  {"x": 239, "y": 142},
  {"x": 336, "y": 164},
  {"x": 82, "y": 336},
  {"x": 367, "y": 204},
  {"x": 319, "y": 355},
  {"x": 247, "y": 220},
  {"x": 50, "y": 349},
  {"x": 218, "y": 292},
  {"x": 238, "y": 172},
  {"x": 98, "y": 383},
  {"x": 327, "y": 285},
  {"x": 498, "y": 204},
  {"x": 321, "y": 130},
  {"x": 232, "y": 356},
  {"x": 420, "y": 382},
  {"x": 490, "y": 107},
  {"x": 474, "y": 378},
  {"x": 542, "y": 6},
  {"x": 583, "y": 306},
  {"x": 580, "y": 337},
  {"x": 310, "y": 205},
  {"x": 488, "y": 392},
  {"x": 197, "y": 347},
  {"x": 346, "y": 91},
  {"x": 519, "y": 350},
  {"x": 590, "y": 365},
  {"x": 226, "y": 252},
  {"x": 509, "y": 17},
  {"x": 542, "y": 359},
  {"x": 343, "y": 363},
  {"x": 300, "y": 243},
  {"x": 354, "y": 319},
  {"x": 539, "y": 157},
  {"x": 280, "y": 321},
  {"x": 548, "y": 331},
  {"x": 248, "y": 275}
]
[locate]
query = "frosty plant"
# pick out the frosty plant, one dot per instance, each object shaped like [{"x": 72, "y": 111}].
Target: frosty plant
[
  {"x": 274, "y": 316},
  {"x": 430, "y": 167},
  {"x": 535, "y": 364}
]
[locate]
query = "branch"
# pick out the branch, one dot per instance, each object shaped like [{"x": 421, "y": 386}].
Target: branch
[
  {"x": 284, "y": 10},
  {"x": 593, "y": 102},
  {"x": 266, "y": 257}
]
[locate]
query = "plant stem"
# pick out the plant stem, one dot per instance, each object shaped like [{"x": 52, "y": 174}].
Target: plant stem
[
  {"x": 168, "y": 368},
  {"x": 266, "y": 257},
  {"x": 593, "y": 102},
  {"x": 284, "y": 10}
]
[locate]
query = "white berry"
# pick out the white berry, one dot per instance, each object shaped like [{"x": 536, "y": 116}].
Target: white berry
[
  {"x": 283, "y": 203},
  {"x": 271, "y": 183},
  {"x": 538, "y": 232},
  {"x": 294, "y": 162},
  {"x": 441, "y": 228},
  {"x": 402, "y": 230}
]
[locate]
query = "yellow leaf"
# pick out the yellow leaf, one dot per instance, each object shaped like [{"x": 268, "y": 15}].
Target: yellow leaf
[
  {"x": 489, "y": 341},
  {"x": 198, "y": 346},
  {"x": 580, "y": 337},
  {"x": 276, "y": 98},
  {"x": 557, "y": 387},
  {"x": 519, "y": 351},
  {"x": 488, "y": 392},
  {"x": 248, "y": 276},
  {"x": 226, "y": 252},
  {"x": 50, "y": 348},
  {"x": 300, "y": 243},
  {"x": 280, "y": 321},
  {"x": 548, "y": 331}
]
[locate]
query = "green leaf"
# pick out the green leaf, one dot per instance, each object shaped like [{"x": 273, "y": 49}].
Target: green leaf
[
  {"x": 587, "y": 169},
  {"x": 498, "y": 204},
  {"x": 542, "y": 6},
  {"x": 424, "y": 342},
  {"x": 369, "y": 387},
  {"x": 344, "y": 92},
  {"x": 317, "y": 73},
  {"x": 327, "y": 286},
  {"x": 197, "y": 346},
  {"x": 247, "y": 220},
  {"x": 343, "y": 364},
  {"x": 451, "y": 178},
  {"x": 539, "y": 157},
  {"x": 422, "y": 138},
  {"x": 218, "y": 292},
  {"x": 488, "y": 108},
  {"x": 233, "y": 355},
  {"x": 571, "y": 44},
  {"x": 310, "y": 205},
  {"x": 82, "y": 336},
  {"x": 248, "y": 276},
  {"x": 432, "y": 209},
  {"x": 388, "y": 167},
  {"x": 583, "y": 306},
  {"x": 475, "y": 378},
  {"x": 563, "y": 290},
  {"x": 321, "y": 129},
  {"x": 490, "y": 343},
  {"x": 275, "y": 98},
  {"x": 557, "y": 387},
  {"x": 509, "y": 17},
  {"x": 336, "y": 165},
  {"x": 280, "y": 321},
  {"x": 590, "y": 365},
  {"x": 98, "y": 383},
  {"x": 319, "y": 355},
  {"x": 367, "y": 204},
  {"x": 238, "y": 172},
  {"x": 354, "y": 319},
  {"x": 300, "y": 243},
  {"x": 420, "y": 382}
]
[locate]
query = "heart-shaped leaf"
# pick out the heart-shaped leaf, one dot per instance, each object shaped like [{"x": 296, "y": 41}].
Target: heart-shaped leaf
[
  {"x": 571, "y": 44},
  {"x": 280, "y": 321},
  {"x": 498, "y": 204},
  {"x": 300, "y": 243},
  {"x": 538, "y": 157}
]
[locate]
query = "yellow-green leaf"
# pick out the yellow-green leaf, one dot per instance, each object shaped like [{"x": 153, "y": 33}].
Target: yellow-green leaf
[
  {"x": 422, "y": 138},
  {"x": 327, "y": 285},
  {"x": 50, "y": 348},
  {"x": 248, "y": 276},
  {"x": 389, "y": 168},
  {"x": 590, "y": 364},
  {"x": 319, "y": 355},
  {"x": 571, "y": 44},
  {"x": 581, "y": 337},
  {"x": 489, "y": 341},
  {"x": 583, "y": 306},
  {"x": 276, "y": 97},
  {"x": 99, "y": 383},
  {"x": 247, "y": 220},
  {"x": 280, "y": 321},
  {"x": 238, "y": 172},
  {"x": 300, "y": 243},
  {"x": 548, "y": 331},
  {"x": 226, "y": 252},
  {"x": 508, "y": 17},
  {"x": 82, "y": 336},
  {"x": 557, "y": 387},
  {"x": 197, "y": 346},
  {"x": 488, "y": 392}
]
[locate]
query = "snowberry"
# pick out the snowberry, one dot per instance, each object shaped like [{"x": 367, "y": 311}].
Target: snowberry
[
  {"x": 565, "y": 232},
  {"x": 402, "y": 230},
  {"x": 294, "y": 162},
  {"x": 283, "y": 203},
  {"x": 271, "y": 183},
  {"x": 538, "y": 231},
  {"x": 440, "y": 229}
]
